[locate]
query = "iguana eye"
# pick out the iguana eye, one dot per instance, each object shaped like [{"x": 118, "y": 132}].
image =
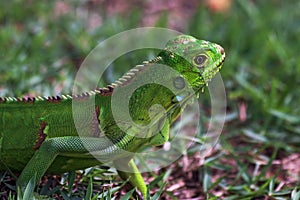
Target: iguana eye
[
  {"x": 179, "y": 82},
  {"x": 200, "y": 59}
]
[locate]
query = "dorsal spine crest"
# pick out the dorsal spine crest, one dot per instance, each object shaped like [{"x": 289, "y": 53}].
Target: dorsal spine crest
[{"x": 105, "y": 91}]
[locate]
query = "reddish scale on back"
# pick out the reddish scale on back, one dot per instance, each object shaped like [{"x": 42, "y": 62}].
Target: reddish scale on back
[
  {"x": 105, "y": 91},
  {"x": 54, "y": 99},
  {"x": 81, "y": 97},
  {"x": 27, "y": 100},
  {"x": 96, "y": 122},
  {"x": 41, "y": 136}
]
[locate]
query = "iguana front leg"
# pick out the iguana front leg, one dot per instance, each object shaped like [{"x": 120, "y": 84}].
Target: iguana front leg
[
  {"x": 128, "y": 169},
  {"x": 71, "y": 146},
  {"x": 130, "y": 172}
]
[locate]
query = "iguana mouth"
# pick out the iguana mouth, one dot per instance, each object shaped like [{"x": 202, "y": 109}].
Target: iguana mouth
[
  {"x": 223, "y": 57},
  {"x": 222, "y": 51},
  {"x": 220, "y": 63}
]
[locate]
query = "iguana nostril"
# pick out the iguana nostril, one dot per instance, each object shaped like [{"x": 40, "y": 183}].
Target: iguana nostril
[{"x": 222, "y": 51}]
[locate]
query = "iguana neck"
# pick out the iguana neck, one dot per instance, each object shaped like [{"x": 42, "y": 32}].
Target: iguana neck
[{"x": 127, "y": 77}]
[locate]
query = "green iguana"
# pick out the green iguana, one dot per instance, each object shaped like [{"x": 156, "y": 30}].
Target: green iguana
[{"x": 38, "y": 135}]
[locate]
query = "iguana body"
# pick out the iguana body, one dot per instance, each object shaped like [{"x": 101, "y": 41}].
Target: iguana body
[{"x": 39, "y": 135}]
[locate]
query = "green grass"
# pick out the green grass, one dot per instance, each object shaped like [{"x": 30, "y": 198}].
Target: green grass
[{"x": 40, "y": 54}]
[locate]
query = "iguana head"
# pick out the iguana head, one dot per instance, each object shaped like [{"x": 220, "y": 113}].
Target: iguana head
[{"x": 196, "y": 60}]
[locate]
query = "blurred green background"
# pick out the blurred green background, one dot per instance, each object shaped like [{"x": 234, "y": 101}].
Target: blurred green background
[{"x": 42, "y": 44}]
